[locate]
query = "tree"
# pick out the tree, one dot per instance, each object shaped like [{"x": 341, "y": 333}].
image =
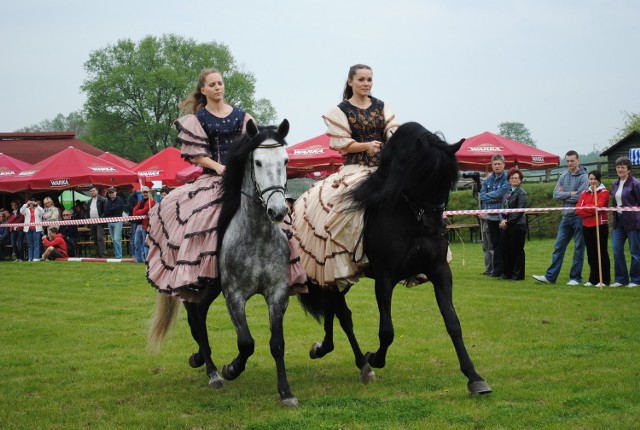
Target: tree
[
  {"x": 516, "y": 131},
  {"x": 631, "y": 124},
  {"x": 133, "y": 91},
  {"x": 75, "y": 122}
]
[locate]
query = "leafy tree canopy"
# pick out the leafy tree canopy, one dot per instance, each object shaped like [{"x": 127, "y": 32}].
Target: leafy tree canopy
[
  {"x": 631, "y": 124},
  {"x": 516, "y": 131},
  {"x": 133, "y": 91},
  {"x": 75, "y": 122}
]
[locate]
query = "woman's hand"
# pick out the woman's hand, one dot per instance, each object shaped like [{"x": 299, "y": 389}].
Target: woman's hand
[{"x": 374, "y": 147}]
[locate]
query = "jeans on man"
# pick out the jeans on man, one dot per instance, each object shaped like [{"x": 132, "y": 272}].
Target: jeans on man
[
  {"x": 494, "y": 238},
  {"x": 115, "y": 231},
  {"x": 97, "y": 235},
  {"x": 486, "y": 247},
  {"x": 618, "y": 238},
  {"x": 570, "y": 227},
  {"x": 33, "y": 244},
  {"x": 132, "y": 239},
  {"x": 17, "y": 243},
  {"x": 141, "y": 246}
]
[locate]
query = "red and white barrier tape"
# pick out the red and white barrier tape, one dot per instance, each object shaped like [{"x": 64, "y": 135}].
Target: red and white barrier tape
[
  {"x": 79, "y": 221},
  {"x": 445, "y": 214},
  {"x": 515, "y": 210},
  {"x": 97, "y": 260}
]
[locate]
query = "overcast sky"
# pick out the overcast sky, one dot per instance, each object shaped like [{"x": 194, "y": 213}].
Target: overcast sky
[{"x": 566, "y": 69}]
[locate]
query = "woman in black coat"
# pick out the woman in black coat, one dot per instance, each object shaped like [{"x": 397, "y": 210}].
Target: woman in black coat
[{"x": 513, "y": 227}]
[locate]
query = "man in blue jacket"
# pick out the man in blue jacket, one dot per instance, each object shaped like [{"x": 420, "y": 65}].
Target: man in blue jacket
[
  {"x": 493, "y": 189},
  {"x": 570, "y": 185}
]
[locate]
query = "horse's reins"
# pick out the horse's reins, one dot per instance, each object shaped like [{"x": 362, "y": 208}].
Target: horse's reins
[
  {"x": 420, "y": 209},
  {"x": 272, "y": 189}
]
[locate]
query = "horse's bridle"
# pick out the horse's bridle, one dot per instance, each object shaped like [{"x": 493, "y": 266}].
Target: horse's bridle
[
  {"x": 272, "y": 189},
  {"x": 421, "y": 209}
]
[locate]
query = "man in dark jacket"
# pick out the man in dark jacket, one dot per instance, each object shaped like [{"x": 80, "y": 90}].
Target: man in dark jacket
[
  {"x": 96, "y": 210},
  {"x": 113, "y": 208},
  {"x": 130, "y": 203}
]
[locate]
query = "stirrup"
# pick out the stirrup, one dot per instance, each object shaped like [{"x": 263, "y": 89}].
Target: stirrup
[{"x": 414, "y": 281}]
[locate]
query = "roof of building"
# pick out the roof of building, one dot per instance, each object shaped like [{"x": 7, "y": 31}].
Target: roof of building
[
  {"x": 34, "y": 147},
  {"x": 627, "y": 138}
]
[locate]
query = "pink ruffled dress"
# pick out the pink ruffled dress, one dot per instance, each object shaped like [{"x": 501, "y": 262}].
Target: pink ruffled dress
[{"x": 183, "y": 227}]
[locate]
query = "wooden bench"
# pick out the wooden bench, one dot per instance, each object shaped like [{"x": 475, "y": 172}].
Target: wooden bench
[
  {"x": 535, "y": 214},
  {"x": 84, "y": 246},
  {"x": 454, "y": 230}
]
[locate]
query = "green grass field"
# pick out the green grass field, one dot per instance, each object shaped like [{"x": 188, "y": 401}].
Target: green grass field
[{"x": 72, "y": 356}]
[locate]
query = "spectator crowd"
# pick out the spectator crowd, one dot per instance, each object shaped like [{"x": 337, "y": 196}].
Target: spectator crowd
[{"x": 36, "y": 243}]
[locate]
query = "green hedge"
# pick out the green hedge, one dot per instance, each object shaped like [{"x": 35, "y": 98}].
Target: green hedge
[{"x": 540, "y": 196}]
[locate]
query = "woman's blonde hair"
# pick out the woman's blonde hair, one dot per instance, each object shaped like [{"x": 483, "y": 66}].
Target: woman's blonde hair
[
  {"x": 196, "y": 100},
  {"x": 47, "y": 200}
]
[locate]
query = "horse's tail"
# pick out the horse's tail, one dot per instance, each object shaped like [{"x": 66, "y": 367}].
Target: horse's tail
[
  {"x": 315, "y": 301},
  {"x": 164, "y": 316}
]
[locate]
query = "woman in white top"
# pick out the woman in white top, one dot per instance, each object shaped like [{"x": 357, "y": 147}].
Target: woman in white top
[{"x": 32, "y": 213}]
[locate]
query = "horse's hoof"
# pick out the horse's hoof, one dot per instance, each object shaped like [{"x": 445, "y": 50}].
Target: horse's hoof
[
  {"x": 313, "y": 353},
  {"x": 227, "y": 372},
  {"x": 215, "y": 381},
  {"x": 367, "y": 374},
  {"x": 196, "y": 360},
  {"x": 291, "y": 402},
  {"x": 479, "y": 387}
]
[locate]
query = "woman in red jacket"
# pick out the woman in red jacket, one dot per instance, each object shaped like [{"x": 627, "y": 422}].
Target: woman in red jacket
[
  {"x": 140, "y": 239},
  {"x": 589, "y": 225}
]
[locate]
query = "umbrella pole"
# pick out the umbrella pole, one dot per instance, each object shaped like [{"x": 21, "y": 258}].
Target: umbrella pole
[{"x": 595, "y": 200}]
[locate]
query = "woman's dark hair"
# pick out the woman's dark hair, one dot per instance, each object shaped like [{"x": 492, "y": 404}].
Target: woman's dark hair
[
  {"x": 597, "y": 174},
  {"x": 348, "y": 91},
  {"x": 513, "y": 171},
  {"x": 624, "y": 161}
]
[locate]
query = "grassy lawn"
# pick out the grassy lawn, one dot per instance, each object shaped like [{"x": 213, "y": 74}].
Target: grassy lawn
[{"x": 72, "y": 356}]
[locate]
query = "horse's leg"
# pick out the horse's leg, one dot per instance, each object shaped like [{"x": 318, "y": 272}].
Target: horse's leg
[
  {"x": 246, "y": 345},
  {"x": 346, "y": 322},
  {"x": 277, "y": 308},
  {"x": 320, "y": 349},
  {"x": 384, "y": 293},
  {"x": 197, "y": 317},
  {"x": 442, "y": 283}
]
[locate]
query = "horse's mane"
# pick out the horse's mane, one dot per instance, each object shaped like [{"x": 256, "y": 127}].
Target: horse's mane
[
  {"x": 237, "y": 157},
  {"x": 413, "y": 163}
]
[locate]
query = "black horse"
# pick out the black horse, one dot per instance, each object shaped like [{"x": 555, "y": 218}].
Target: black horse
[{"x": 404, "y": 236}]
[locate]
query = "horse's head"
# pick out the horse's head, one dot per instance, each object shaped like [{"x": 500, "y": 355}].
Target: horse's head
[
  {"x": 268, "y": 168},
  {"x": 257, "y": 169}
]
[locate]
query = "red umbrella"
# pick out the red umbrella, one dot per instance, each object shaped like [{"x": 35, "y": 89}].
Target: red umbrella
[
  {"x": 115, "y": 159},
  {"x": 476, "y": 153},
  {"x": 10, "y": 166},
  {"x": 160, "y": 169},
  {"x": 189, "y": 173},
  {"x": 313, "y": 155},
  {"x": 69, "y": 168}
]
